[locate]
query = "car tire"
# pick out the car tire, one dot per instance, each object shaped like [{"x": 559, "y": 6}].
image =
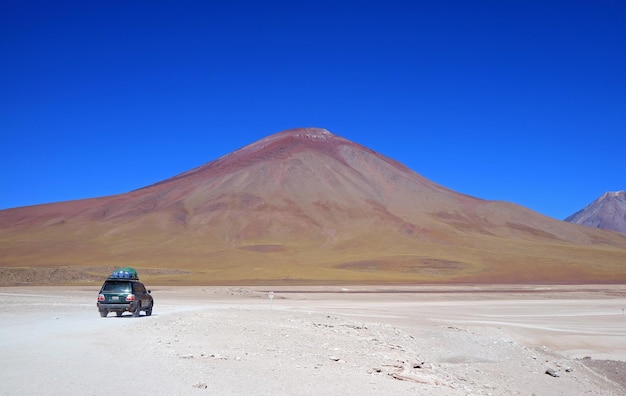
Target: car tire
[
  {"x": 149, "y": 310},
  {"x": 137, "y": 310},
  {"x": 103, "y": 313}
]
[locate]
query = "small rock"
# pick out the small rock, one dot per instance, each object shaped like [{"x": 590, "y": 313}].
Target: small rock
[
  {"x": 418, "y": 365},
  {"x": 551, "y": 372},
  {"x": 200, "y": 385}
]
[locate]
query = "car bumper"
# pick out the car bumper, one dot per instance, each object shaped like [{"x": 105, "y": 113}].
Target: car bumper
[{"x": 130, "y": 307}]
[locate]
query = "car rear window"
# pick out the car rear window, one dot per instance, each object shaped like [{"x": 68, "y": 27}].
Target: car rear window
[{"x": 116, "y": 287}]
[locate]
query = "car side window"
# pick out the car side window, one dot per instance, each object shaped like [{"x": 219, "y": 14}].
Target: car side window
[{"x": 139, "y": 288}]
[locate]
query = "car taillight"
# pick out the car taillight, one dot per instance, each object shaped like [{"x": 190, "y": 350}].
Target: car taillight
[
  {"x": 100, "y": 297},
  {"x": 130, "y": 297}
]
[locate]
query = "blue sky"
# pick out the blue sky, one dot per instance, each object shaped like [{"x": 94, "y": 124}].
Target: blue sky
[{"x": 521, "y": 101}]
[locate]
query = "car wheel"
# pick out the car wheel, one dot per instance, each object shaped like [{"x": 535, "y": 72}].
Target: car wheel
[
  {"x": 103, "y": 313},
  {"x": 137, "y": 310},
  {"x": 149, "y": 310},
  {"x": 118, "y": 313}
]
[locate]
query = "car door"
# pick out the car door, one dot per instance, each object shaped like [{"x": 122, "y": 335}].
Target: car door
[{"x": 142, "y": 294}]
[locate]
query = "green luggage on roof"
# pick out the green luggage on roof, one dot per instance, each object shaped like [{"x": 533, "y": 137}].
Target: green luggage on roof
[{"x": 124, "y": 273}]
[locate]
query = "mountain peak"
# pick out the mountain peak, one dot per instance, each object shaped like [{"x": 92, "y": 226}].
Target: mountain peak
[
  {"x": 311, "y": 134},
  {"x": 607, "y": 212},
  {"x": 613, "y": 194}
]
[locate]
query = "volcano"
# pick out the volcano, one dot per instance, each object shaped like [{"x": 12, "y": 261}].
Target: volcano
[
  {"x": 303, "y": 206},
  {"x": 607, "y": 212}
]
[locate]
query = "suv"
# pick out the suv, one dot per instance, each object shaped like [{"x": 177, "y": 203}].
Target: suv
[{"x": 121, "y": 295}]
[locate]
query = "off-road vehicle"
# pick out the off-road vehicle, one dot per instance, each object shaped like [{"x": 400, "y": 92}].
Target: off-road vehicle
[{"x": 123, "y": 292}]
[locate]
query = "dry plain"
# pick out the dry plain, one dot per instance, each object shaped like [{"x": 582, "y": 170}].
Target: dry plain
[{"x": 419, "y": 340}]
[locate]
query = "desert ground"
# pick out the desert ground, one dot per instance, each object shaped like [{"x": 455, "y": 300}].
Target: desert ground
[{"x": 421, "y": 340}]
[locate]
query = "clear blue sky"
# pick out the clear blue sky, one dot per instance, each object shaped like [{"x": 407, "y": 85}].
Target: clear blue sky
[{"x": 521, "y": 101}]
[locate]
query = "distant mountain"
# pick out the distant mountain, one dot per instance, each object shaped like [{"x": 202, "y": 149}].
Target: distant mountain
[
  {"x": 303, "y": 206},
  {"x": 607, "y": 212}
]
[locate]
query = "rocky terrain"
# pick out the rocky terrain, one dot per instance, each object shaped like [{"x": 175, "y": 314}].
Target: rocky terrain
[{"x": 465, "y": 340}]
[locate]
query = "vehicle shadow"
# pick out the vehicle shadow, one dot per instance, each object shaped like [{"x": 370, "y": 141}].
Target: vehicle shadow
[{"x": 128, "y": 316}]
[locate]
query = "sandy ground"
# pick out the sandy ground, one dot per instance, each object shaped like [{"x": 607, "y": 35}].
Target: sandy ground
[{"x": 318, "y": 341}]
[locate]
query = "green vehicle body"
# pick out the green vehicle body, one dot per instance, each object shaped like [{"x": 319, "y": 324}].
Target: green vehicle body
[{"x": 124, "y": 295}]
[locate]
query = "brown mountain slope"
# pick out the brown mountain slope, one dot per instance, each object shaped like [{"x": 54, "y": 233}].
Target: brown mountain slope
[
  {"x": 607, "y": 212},
  {"x": 305, "y": 205}
]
